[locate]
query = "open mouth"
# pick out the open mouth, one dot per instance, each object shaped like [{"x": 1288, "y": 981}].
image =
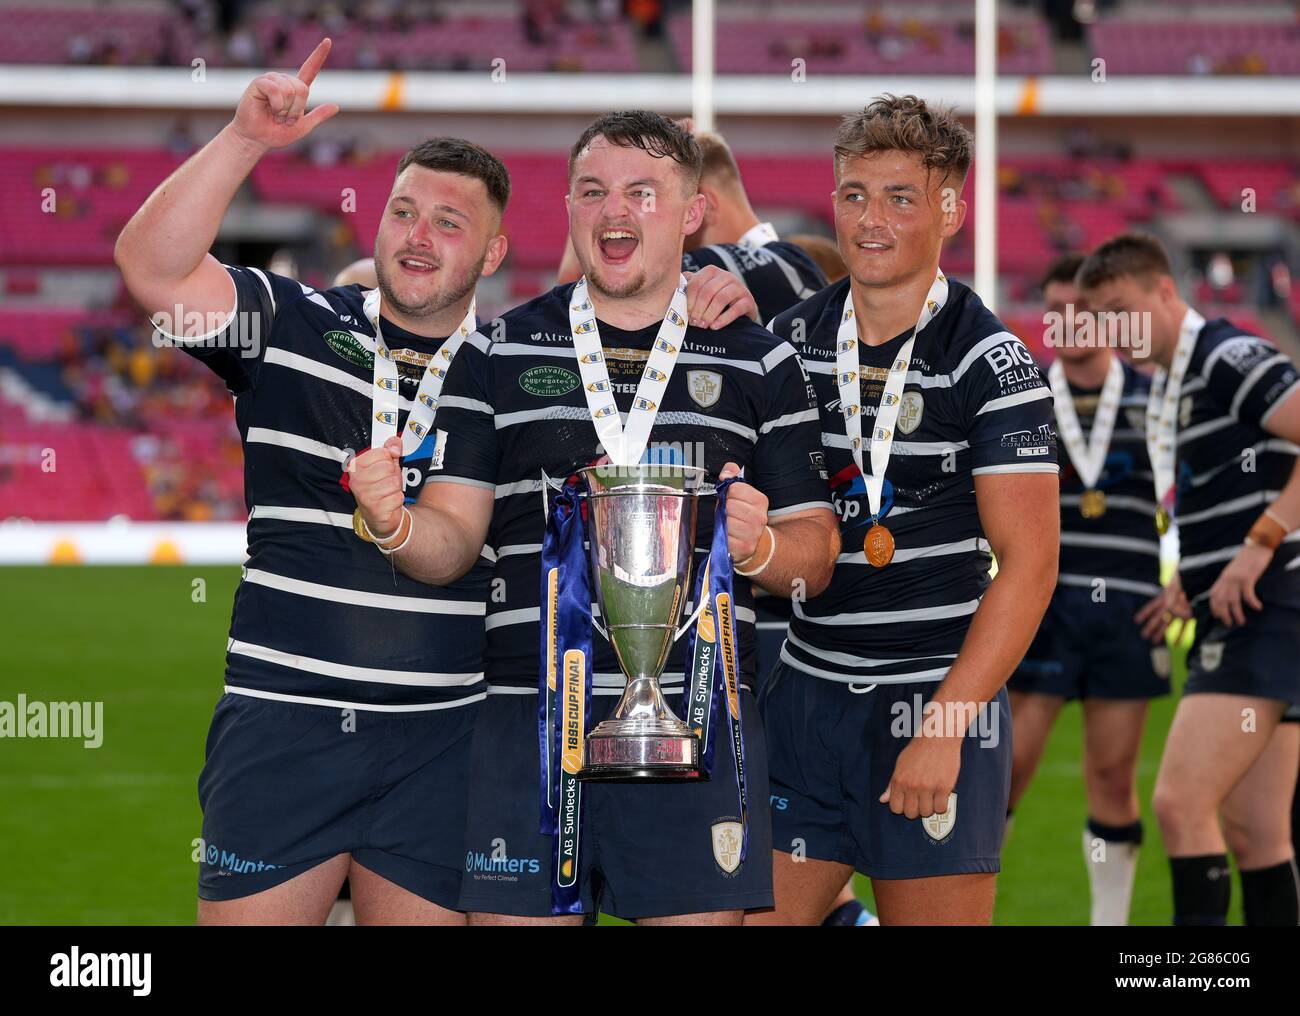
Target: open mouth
[
  {"x": 417, "y": 266},
  {"x": 616, "y": 245},
  {"x": 873, "y": 246}
]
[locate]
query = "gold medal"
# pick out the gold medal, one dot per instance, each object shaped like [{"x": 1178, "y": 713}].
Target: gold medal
[
  {"x": 359, "y": 526},
  {"x": 1093, "y": 504},
  {"x": 879, "y": 546},
  {"x": 1162, "y": 520}
]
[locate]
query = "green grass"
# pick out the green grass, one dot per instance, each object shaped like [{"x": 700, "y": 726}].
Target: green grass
[{"x": 103, "y": 836}]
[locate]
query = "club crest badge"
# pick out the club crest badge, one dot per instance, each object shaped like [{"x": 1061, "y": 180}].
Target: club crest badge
[
  {"x": 705, "y": 387},
  {"x": 726, "y": 845},
  {"x": 940, "y": 825},
  {"x": 909, "y": 413}
]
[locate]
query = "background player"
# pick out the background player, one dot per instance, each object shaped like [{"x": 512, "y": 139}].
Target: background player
[
  {"x": 1225, "y": 423},
  {"x": 966, "y": 463},
  {"x": 1102, "y": 638},
  {"x": 517, "y": 414},
  {"x": 341, "y": 743}
]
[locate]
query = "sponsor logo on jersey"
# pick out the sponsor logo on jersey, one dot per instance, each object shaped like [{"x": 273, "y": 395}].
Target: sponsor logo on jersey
[
  {"x": 346, "y": 345},
  {"x": 548, "y": 382},
  {"x": 1014, "y": 367}
]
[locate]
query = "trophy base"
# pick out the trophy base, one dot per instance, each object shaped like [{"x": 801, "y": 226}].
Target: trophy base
[{"x": 620, "y": 755}]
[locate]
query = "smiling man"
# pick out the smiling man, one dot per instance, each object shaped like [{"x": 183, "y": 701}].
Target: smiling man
[
  {"x": 525, "y": 412},
  {"x": 940, "y": 449},
  {"x": 340, "y": 747}
]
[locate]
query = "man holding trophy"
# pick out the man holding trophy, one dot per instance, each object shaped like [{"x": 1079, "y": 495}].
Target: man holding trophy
[{"x": 597, "y": 415}]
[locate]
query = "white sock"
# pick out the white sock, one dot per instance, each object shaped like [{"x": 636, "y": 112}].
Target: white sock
[{"x": 1112, "y": 868}]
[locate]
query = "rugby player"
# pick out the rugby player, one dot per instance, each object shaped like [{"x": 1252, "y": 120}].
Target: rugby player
[
  {"x": 1102, "y": 638},
  {"x": 732, "y": 238},
  {"x": 518, "y": 421},
  {"x": 340, "y": 747},
  {"x": 956, "y": 460},
  {"x": 1223, "y": 427}
]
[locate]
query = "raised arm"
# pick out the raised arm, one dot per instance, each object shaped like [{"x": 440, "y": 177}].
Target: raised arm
[{"x": 163, "y": 251}]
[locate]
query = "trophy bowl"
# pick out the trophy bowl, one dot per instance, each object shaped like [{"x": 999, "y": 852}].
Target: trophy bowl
[{"x": 641, "y": 526}]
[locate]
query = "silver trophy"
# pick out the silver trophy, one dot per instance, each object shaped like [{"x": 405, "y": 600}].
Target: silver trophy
[{"x": 641, "y": 531}]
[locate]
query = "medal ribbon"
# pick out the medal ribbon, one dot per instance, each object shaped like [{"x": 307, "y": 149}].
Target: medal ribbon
[
  {"x": 1089, "y": 457},
  {"x": 625, "y": 445},
  {"x": 564, "y": 689},
  {"x": 383, "y": 422},
  {"x": 1162, "y": 411},
  {"x": 713, "y": 652},
  {"x": 847, "y": 368}
]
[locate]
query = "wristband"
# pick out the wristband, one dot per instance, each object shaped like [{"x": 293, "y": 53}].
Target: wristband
[
  {"x": 407, "y": 518},
  {"x": 1269, "y": 513},
  {"x": 766, "y": 561}
]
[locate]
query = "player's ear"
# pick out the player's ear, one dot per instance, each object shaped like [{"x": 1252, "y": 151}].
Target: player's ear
[
  {"x": 954, "y": 218},
  {"x": 694, "y": 214},
  {"x": 496, "y": 253}
]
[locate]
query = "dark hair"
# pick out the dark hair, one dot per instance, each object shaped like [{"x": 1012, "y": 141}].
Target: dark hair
[
  {"x": 456, "y": 155},
  {"x": 1134, "y": 254},
  {"x": 650, "y": 132},
  {"x": 905, "y": 123},
  {"x": 1063, "y": 269}
]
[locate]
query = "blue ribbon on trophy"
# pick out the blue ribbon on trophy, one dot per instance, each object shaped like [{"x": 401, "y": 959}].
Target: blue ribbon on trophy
[
  {"x": 713, "y": 681},
  {"x": 564, "y": 689}
]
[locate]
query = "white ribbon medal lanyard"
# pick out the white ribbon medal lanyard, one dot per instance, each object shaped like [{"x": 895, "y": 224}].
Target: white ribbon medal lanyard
[
  {"x": 1089, "y": 457},
  {"x": 625, "y": 445},
  {"x": 1162, "y": 418},
  {"x": 879, "y": 541},
  {"x": 383, "y": 421}
]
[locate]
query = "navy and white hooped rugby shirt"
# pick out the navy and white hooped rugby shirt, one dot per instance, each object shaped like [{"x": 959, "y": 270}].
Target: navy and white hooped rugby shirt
[
  {"x": 321, "y": 617},
  {"x": 1229, "y": 467},
  {"x": 974, "y": 403},
  {"x": 517, "y": 421},
  {"x": 1121, "y": 546}
]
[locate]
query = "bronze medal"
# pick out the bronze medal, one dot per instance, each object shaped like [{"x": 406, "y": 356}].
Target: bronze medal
[
  {"x": 359, "y": 526},
  {"x": 1162, "y": 520},
  {"x": 879, "y": 546},
  {"x": 1093, "y": 504}
]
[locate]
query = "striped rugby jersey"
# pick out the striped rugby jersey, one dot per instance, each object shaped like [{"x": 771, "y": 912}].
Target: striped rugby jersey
[
  {"x": 517, "y": 421},
  {"x": 321, "y": 617},
  {"x": 1122, "y": 546},
  {"x": 778, "y": 274},
  {"x": 1229, "y": 467},
  {"x": 974, "y": 403}
]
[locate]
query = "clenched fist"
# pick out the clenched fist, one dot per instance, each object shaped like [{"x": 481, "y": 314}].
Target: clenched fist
[
  {"x": 375, "y": 479},
  {"x": 746, "y": 517},
  {"x": 272, "y": 112}
]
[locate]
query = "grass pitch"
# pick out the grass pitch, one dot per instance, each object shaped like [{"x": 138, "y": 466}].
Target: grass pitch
[{"x": 105, "y": 835}]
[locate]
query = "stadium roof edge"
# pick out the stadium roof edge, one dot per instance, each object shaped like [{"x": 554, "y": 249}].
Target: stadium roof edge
[{"x": 734, "y": 95}]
